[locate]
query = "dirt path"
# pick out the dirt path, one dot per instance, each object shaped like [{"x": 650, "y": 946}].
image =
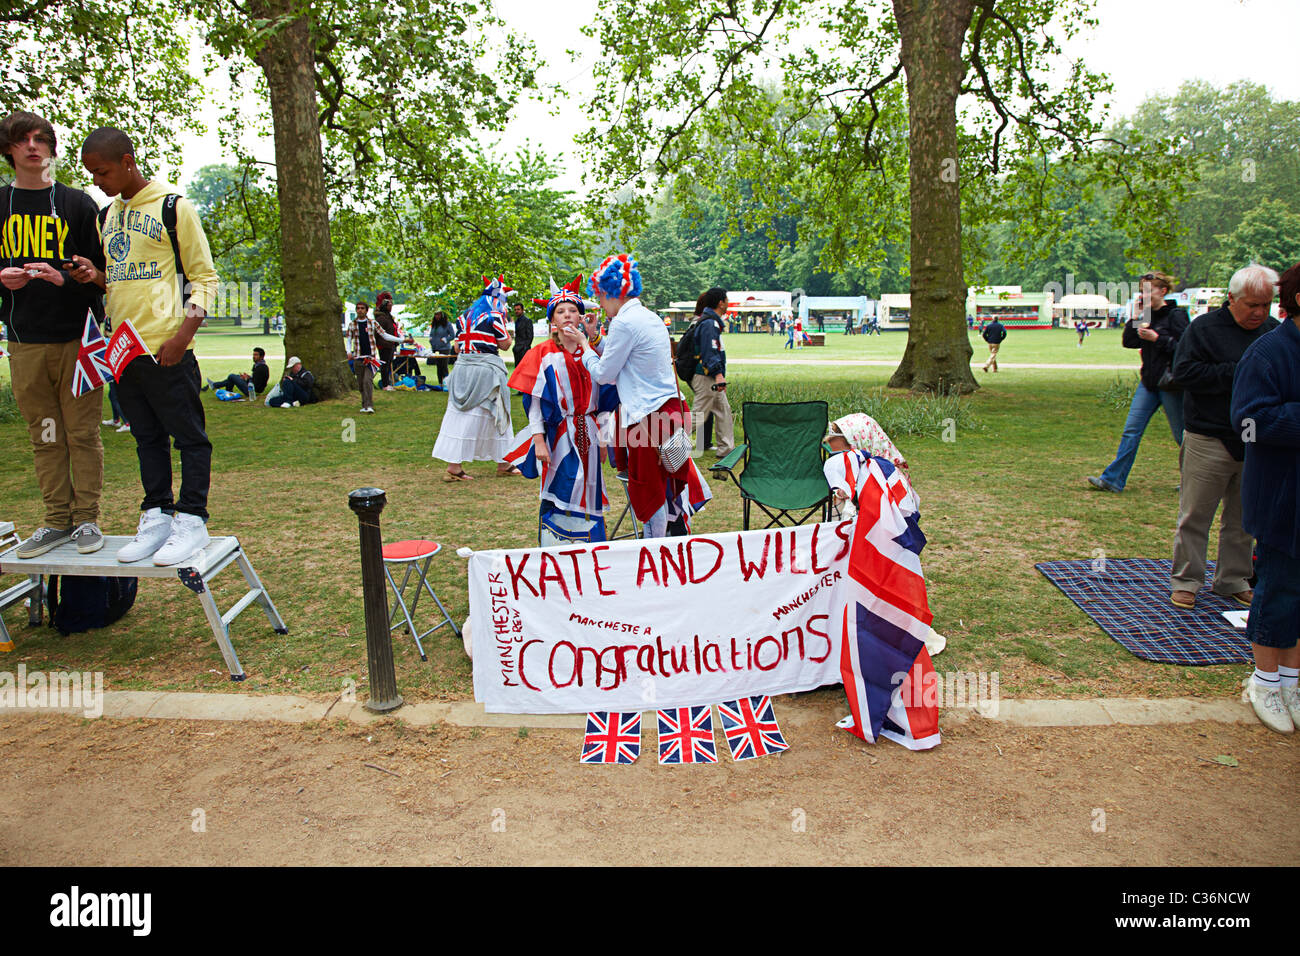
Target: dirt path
[{"x": 132, "y": 792}]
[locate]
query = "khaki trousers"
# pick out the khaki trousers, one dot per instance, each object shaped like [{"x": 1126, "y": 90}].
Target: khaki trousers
[
  {"x": 365, "y": 381},
  {"x": 706, "y": 401},
  {"x": 64, "y": 430},
  {"x": 1209, "y": 476},
  {"x": 993, "y": 356}
]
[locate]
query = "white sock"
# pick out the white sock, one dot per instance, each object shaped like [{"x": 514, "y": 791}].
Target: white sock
[
  {"x": 1266, "y": 679},
  {"x": 1288, "y": 676}
]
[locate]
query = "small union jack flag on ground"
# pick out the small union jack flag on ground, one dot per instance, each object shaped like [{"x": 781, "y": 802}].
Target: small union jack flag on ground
[
  {"x": 750, "y": 726},
  {"x": 612, "y": 738},
  {"x": 92, "y": 369},
  {"x": 686, "y": 735}
]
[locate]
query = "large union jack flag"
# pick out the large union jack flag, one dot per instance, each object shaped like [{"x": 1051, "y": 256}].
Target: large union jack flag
[
  {"x": 751, "y": 729},
  {"x": 562, "y": 390},
  {"x": 686, "y": 735},
  {"x": 612, "y": 738},
  {"x": 884, "y": 616},
  {"x": 92, "y": 369}
]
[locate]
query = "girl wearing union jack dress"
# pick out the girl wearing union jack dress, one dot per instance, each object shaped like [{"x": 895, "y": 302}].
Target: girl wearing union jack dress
[
  {"x": 476, "y": 425},
  {"x": 565, "y": 413}
]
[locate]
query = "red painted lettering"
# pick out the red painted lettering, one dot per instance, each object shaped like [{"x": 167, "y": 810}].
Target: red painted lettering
[
  {"x": 690, "y": 559},
  {"x": 843, "y": 531},
  {"x": 597, "y": 567},
  {"x": 678, "y": 566},
  {"x": 517, "y": 575},
  {"x": 523, "y": 650},
  {"x": 812, "y": 631},
  {"x": 793, "y": 569},
  {"x": 645, "y": 564},
  {"x": 785, "y": 641},
  {"x": 816, "y": 570},
  {"x": 550, "y": 666},
  {"x": 747, "y": 569},
  {"x": 645, "y": 658},
  {"x": 758, "y": 652},
  {"x": 572, "y": 554},
  {"x": 557, "y": 577}
]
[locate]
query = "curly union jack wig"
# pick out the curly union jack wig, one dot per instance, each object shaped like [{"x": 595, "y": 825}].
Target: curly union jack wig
[{"x": 617, "y": 276}]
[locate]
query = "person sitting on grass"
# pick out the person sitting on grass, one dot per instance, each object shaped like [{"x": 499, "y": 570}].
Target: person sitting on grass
[
  {"x": 240, "y": 381},
  {"x": 295, "y": 387}
]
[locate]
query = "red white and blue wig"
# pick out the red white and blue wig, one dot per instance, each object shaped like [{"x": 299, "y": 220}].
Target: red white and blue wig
[{"x": 617, "y": 276}]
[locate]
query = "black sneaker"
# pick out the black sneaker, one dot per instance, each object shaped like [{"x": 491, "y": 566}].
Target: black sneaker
[{"x": 44, "y": 539}]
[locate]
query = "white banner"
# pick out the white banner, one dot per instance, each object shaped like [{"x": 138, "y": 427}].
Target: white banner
[{"x": 669, "y": 622}]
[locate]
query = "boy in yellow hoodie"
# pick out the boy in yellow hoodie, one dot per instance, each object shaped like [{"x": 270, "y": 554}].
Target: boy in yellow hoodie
[{"x": 160, "y": 398}]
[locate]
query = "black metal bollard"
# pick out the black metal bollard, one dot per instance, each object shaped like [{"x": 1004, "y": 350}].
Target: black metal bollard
[{"x": 367, "y": 503}]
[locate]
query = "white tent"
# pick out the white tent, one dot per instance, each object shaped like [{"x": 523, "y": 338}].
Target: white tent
[{"x": 1092, "y": 304}]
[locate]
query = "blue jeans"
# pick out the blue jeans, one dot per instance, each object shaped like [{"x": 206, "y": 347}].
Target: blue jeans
[
  {"x": 291, "y": 392},
  {"x": 113, "y": 402},
  {"x": 1144, "y": 405}
]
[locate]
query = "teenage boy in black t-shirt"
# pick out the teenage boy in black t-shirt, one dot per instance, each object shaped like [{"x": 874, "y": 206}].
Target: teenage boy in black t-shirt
[{"x": 45, "y": 224}]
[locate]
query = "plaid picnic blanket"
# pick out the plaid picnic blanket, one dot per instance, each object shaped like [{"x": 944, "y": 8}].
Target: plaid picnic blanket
[{"x": 1129, "y": 599}]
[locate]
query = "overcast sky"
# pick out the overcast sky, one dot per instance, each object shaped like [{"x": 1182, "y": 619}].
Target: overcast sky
[{"x": 1145, "y": 46}]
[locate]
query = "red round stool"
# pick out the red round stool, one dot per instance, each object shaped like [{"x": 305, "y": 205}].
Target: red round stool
[{"x": 416, "y": 555}]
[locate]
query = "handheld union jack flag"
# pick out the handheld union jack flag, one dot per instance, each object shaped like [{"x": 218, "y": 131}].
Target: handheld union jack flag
[
  {"x": 686, "y": 735},
  {"x": 92, "y": 369},
  {"x": 612, "y": 738},
  {"x": 750, "y": 726}
]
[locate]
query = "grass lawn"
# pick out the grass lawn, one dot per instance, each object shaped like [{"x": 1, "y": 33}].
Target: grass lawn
[
  {"x": 1007, "y": 493},
  {"x": 1055, "y": 346}
]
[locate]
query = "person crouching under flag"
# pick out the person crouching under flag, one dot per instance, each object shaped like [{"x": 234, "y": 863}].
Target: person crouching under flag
[
  {"x": 882, "y": 612},
  {"x": 561, "y": 443}
]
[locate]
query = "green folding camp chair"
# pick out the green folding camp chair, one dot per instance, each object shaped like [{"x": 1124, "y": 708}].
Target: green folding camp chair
[{"x": 782, "y": 458}]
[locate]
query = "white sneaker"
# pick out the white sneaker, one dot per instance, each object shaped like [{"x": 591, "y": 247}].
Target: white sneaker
[
  {"x": 1291, "y": 700},
  {"x": 189, "y": 536},
  {"x": 124, "y": 427},
  {"x": 108, "y": 421},
  {"x": 1269, "y": 707},
  {"x": 149, "y": 537}
]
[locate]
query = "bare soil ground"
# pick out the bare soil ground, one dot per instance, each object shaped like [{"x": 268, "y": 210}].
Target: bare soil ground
[{"x": 134, "y": 792}]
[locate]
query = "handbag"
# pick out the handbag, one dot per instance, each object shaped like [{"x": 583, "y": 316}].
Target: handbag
[
  {"x": 1167, "y": 382},
  {"x": 675, "y": 450}
]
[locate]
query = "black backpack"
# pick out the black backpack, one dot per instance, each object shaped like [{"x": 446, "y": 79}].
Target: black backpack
[
  {"x": 688, "y": 352},
  {"x": 82, "y": 603}
]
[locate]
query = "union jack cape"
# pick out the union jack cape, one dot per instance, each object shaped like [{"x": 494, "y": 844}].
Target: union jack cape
[
  {"x": 562, "y": 389},
  {"x": 883, "y": 614},
  {"x": 92, "y": 369}
]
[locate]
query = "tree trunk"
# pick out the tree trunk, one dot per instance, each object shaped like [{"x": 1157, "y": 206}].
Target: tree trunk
[
  {"x": 938, "y": 352},
  {"x": 313, "y": 311}
]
